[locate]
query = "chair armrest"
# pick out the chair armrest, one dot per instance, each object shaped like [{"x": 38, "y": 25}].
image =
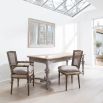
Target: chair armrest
[
  {"x": 22, "y": 65},
  {"x": 25, "y": 62},
  {"x": 14, "y": 66}
]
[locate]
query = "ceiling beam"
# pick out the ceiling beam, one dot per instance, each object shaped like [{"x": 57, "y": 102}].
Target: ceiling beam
[{"x": 44, "y": 3}]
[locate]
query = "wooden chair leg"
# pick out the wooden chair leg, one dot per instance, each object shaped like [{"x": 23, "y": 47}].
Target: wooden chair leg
[
  {"x": 79, "y": 81},
  {"x": 28, "y": 85},
  {"x": 72, "y": 79},
  {"x": 17, "y": 82},
  {"x": 11, "y": 85},
  {"x": 33, "y": 75},
  {"x": 66, "y": 76},
  {"x": 59, "y": 77},
  {"x": 30, "y": 79},
  {"x": 33, "y": 79}
]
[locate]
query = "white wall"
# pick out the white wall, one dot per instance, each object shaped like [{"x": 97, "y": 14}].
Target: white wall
[
  {"x": 85, "y": 29},
  {"x": 14, "y": 16}
]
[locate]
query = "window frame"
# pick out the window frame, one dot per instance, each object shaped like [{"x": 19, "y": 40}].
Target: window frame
[{"x": 35, "y": 36}]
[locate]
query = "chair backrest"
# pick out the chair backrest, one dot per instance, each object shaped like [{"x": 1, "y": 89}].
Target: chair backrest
[
  {"x": 76, "y": 59},
  {"x": 12, "y": 58}
]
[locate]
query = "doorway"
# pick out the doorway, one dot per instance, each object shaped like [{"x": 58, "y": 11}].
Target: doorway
[{"x": 98, "y": 41}]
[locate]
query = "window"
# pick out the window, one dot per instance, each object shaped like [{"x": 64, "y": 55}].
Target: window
[{"x": 40, "y": 33}]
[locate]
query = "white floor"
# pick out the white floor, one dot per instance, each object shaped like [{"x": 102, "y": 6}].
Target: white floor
[{"x": 91, "y": 90}]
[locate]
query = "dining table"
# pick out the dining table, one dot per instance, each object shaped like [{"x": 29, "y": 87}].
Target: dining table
[{"x": 52, "y": 58}]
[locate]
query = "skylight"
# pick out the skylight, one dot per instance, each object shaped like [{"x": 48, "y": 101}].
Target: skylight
[{"x": 66, "y": 7}]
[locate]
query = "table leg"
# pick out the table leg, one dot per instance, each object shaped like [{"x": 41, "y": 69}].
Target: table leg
[
  {"x": 47, "y": 75},
  {"x": 67, "y": 62}
]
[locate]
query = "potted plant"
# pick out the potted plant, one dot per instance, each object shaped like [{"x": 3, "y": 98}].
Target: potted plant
[{"x": 98, "y": 45}]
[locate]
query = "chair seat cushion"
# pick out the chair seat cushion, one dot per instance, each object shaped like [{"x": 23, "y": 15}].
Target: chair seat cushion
[
  {"x": 66, "y": 68},
  {"x": 22, "y": 70}
]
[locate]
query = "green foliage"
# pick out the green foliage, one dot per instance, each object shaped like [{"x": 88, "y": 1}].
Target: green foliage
[{"x": 98, "y": 44}]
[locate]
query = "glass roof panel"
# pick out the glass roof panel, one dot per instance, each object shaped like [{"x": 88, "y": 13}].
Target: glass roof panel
[
  {"x": 37, "y": 2},
  {"x": 77, "y": 8},
  {"x": 53, "y": 4},
  {"x": 66, "y": 7}
]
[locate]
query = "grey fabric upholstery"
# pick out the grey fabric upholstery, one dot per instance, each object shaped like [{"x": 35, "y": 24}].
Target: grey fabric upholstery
[
  {"x": 22, "y": 70},
  {"x": 66, "y": 68}
]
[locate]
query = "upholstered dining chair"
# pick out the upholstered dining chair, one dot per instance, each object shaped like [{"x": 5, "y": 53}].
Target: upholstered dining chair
[
  {"x": 20, "y": 69},
  {"x": 73, "y": 69}
]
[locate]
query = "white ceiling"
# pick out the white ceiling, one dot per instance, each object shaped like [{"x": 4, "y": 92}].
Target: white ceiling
[{"x": 97, "y": 3}]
